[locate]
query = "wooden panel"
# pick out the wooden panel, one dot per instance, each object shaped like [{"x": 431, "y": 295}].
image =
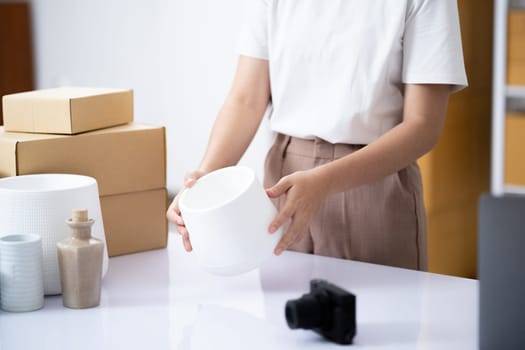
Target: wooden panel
[
  {"x": 515, "y": 149},
  {"x": 516, "y": 47},
  {"x": 16, "y": 66},
  {"x": 456, "y": 172},
  {"x": 453, "y": 242}
]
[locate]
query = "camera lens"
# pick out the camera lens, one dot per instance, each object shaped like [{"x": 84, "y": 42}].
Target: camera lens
[{"x": 303, "y": 313}]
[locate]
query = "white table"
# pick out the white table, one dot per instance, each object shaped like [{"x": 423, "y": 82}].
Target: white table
[{"x": 163, "y": 300}]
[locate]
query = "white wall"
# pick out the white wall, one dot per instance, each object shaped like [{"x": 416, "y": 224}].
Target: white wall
[{"x": 178, "y": 56}]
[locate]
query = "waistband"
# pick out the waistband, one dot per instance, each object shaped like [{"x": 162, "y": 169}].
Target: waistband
[{"x": 316, "y": 147}]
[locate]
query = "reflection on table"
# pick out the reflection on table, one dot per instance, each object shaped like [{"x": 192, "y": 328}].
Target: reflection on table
[{"x": 163, "y": 300}]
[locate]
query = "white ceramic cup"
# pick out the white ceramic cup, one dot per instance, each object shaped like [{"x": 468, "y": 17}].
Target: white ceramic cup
[
  {"x": 40, "y": 204},
  {"x": 21, "y": 273},
  {"x": 227, "y": 214}
]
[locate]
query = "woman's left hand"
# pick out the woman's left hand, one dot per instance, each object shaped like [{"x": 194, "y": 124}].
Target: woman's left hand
[{"x": 305, "y": 191}]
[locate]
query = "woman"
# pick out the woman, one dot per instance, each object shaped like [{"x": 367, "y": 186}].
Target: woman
[{"x": 359, "y": 91}]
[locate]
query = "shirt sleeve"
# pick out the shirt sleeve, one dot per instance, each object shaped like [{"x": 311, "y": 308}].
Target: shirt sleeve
[
  {"x": 253, "y": 41},
  {"x": 432, "y": 51}
]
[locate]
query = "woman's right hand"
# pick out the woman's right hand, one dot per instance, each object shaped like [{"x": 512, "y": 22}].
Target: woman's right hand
[{"x": 173, "y": 214}]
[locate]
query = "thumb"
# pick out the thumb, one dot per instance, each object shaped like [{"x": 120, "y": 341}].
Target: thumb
[
  {"x": 279, "y": 188},
  {"x": 191, "y": 178}
]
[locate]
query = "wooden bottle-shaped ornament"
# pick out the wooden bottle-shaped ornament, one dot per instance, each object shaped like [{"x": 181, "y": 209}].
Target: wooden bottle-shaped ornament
[{"x": 80, "y": 261}]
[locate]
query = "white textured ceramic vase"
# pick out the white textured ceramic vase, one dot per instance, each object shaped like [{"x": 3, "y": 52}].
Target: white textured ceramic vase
[
  {"x": 39, "y": 204},
  {"x": 21, "y": 273},
  {"x": 227, "y": 214}
]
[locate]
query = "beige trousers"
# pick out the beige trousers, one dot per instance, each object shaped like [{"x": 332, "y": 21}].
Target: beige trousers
[{"x": 382, "y": 222}]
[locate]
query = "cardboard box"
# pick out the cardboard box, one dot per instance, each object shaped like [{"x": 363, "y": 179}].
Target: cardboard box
[
  {"x": 70, "y": 110},
  {"x": 515, "y": 149},
  {"x": 516, "y": 48},
  {"x": 135, "y": 222},
  {"x": 123, "y": 159}
]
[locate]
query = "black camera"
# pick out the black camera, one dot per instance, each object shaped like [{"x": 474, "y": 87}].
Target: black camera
[{"x": 327, "y": 310}]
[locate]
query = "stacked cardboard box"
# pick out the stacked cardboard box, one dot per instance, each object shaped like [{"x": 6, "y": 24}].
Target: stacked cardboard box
[
  {"x": 128, "y": 161},
  {"x": 516, "y": 48},
  {"x": 515, "y": 149}
]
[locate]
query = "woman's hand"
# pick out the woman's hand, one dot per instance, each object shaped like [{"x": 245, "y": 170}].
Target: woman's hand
[
  {"x": 305, "y": 191},
  {"x": 173, "y": 214}
]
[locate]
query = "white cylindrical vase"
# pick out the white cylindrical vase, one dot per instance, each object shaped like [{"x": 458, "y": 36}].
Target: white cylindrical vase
[
  {"x": 227, "y": 214},
  {"x": 39, "y": 204},
  {"x": 21, "y": 273}
]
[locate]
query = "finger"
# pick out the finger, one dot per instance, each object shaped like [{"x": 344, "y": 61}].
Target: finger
[
  {"x": 284, "y": 214},
  {"x": 179, "y": 221},
  {"x": 175, "y": 217},
  {"x": 291, "y": 235},
  {"x": 185, "y": 238},
  {"x": 173, "y": 210},
  {"x": 279, "y": 188},
  {"x": 190, "y": 181},
  {"x": 172, "y": 216},
  {"x": 182, "y": 230},
  {"x": 191, "y": 178},
  {"x": 187, "y": 244}
]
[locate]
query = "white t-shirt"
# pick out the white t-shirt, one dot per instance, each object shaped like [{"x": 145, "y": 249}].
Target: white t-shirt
[{"x": 337, "y": 67}]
